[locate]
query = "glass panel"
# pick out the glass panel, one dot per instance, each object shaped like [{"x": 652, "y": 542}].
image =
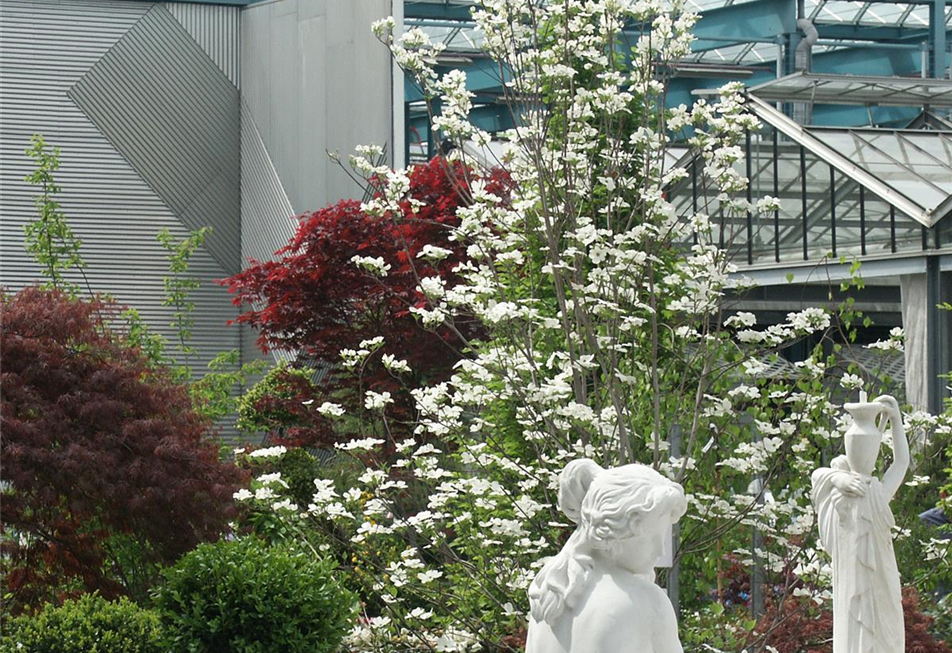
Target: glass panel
[
  {"x": 782, "y": 235},
  {"x": 841, "y": 11},
  {"x": 760, "y": 53},
  {"x": 883, "y": 13},
  {"x": 909, "y": 163},
  {"x": 918, "y": 17},
  {"x": 945, "y": 232}
]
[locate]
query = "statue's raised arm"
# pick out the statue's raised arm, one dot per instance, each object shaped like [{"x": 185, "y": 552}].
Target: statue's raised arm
[{"x": 893, "y": 477}]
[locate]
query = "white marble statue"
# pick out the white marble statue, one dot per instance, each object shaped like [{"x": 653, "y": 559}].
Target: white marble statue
[
  {"x": 598, "y": 594},
  {"x": 855, "y": 522}
]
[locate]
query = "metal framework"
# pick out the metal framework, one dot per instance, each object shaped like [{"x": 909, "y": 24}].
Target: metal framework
[
  {"x": 858, "y": 150},
  {"x": 817, "y": 88},
  {"x": 862, "y": 192},
  {"x": 755, "y": 41}
]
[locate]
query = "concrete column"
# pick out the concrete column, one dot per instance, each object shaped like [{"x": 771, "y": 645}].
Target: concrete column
[
  {"x": 937, "y": 38},
  {"x": 399, "y": 126},
  {"x": 927, "y": 332},
  {"x": 674, "y": 574},
  {"x": 915, "y": 325}
]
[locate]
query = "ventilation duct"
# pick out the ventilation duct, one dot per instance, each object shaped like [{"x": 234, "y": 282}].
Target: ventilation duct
[{"x": 803, "y": 112}]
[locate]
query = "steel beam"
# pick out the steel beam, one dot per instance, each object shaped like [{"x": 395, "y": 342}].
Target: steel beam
[
  {"x": 437, "y": 11},
  {"x": 482, "y": 75},
  {"x": 937, "y": 65},
  {"x": 760, "y": 20},
  {"x": 934, "y": 323},
  {"x": 884, "y": 34},
  {"x": 488, "y": 117},
  {"x": 868, "y": 61}
]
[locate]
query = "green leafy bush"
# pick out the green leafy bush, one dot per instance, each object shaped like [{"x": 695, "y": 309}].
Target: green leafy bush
[
  {"x": 90, "y": 624},
  {"x": 244, "y": 596},
  {"x": 275, "y": 405}
]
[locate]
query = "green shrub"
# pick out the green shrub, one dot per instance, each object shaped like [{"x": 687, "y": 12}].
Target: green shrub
[
  {"x": 244, "y": 596},
  {"x": 90, "y": 624},
  {"x": 274, "y": 402},
  {"x": 299, "y": 469}
]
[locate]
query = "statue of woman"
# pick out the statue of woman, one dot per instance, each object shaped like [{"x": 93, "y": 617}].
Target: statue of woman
[
  {"x": 598, "y": 593},
  {"x": 855, "y": 529}
]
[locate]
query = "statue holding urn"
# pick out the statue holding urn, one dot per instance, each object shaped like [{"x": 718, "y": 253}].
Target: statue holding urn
[{"x": 855, "y": 523}]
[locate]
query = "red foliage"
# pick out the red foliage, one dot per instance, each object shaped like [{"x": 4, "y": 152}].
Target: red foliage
[
  {"x": 282, "y": 413},
  {"x": 918, "y": 637},
  {"x": 802, "y": 628},
  {"x": 100, "y": 452},
  {"x": 516, "y": 642},
  {"x": 316, "y": 301}
]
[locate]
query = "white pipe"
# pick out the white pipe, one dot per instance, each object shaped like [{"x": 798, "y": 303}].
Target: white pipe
[{"x": 805, "y": 46}]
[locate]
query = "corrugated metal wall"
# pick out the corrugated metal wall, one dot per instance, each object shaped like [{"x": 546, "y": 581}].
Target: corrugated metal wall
[
  {"x": 217, "y": 30},
  {"x": 176, "y": 120},
  {"x": 267, "y": 218},
  {"x": 46, "y": 47},
  {"x": 143, "y": 100}
]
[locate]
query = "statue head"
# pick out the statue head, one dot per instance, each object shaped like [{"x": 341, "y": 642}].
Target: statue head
[{"x": 622, "y": 514}]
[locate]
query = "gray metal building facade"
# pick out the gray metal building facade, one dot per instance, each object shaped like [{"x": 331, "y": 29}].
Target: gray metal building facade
[{"x": 183, "y": 115}]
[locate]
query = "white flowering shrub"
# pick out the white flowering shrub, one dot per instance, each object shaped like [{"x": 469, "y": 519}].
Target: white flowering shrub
[{"x": 608, "y": 335}]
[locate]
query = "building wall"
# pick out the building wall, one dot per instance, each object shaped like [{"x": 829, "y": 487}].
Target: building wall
[
  {"x": 315, "y": 79},
  {"x": 147, "y": 124},
  {"x": 178, "y": 116}
]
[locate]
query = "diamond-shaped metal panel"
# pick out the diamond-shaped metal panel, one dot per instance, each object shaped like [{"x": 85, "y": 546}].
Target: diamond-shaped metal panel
[{"x": 171, "y": 112}]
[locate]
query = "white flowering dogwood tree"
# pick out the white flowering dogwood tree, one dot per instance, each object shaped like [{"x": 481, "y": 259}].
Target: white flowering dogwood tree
[{"x": 608, "y": 333}]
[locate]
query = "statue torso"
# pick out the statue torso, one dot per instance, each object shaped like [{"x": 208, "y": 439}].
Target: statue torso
[{"x": 618, "y": 613}]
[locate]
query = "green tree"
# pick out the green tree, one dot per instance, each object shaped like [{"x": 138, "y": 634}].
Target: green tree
[
  {"x": 49, "y": 238},
  {"x": 178, "y": 286},
  {"x": 212, "y": 394}
]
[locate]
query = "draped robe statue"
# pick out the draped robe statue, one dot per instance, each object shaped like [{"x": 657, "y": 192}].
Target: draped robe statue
[{"x": 855, "y": 524}]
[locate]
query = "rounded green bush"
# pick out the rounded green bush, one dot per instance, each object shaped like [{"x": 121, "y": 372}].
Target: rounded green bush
[
  {"x": 90, "y": 624},
  {"x": 244, "y": 596}
]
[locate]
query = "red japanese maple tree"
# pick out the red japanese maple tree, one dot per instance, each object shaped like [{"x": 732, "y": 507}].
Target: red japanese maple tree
[
  {"x": 316, "y": 301},
  {"x": 107, "y": 474}
]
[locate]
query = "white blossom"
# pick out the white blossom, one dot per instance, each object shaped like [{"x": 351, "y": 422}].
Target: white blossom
[
  {"x": 268, "y": 452},
  {"x": 377, "y": 400}
]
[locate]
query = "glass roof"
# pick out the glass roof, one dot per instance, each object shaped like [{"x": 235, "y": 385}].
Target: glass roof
[
  {"x": 869, "y": 13},
  {"x": 850, "y": 89},
  {"x": 869, "y": 192},
  {"x": 917, "y": 164},
  {"x": 456, "y": 39},
  {"x": 459, "y": 35},
  {"x": 673, "y": 154},
  {"x": 911, "y": 170},
  {"x": 747, "y": 54}
]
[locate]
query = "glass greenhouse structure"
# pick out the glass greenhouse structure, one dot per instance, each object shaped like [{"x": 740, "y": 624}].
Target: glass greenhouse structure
[
  {"x": 854, "y": 100},
  {"x": 843, "y": 191}
]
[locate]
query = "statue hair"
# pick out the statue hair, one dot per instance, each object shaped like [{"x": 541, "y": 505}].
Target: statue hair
[{"x": 602, "y": 502}]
